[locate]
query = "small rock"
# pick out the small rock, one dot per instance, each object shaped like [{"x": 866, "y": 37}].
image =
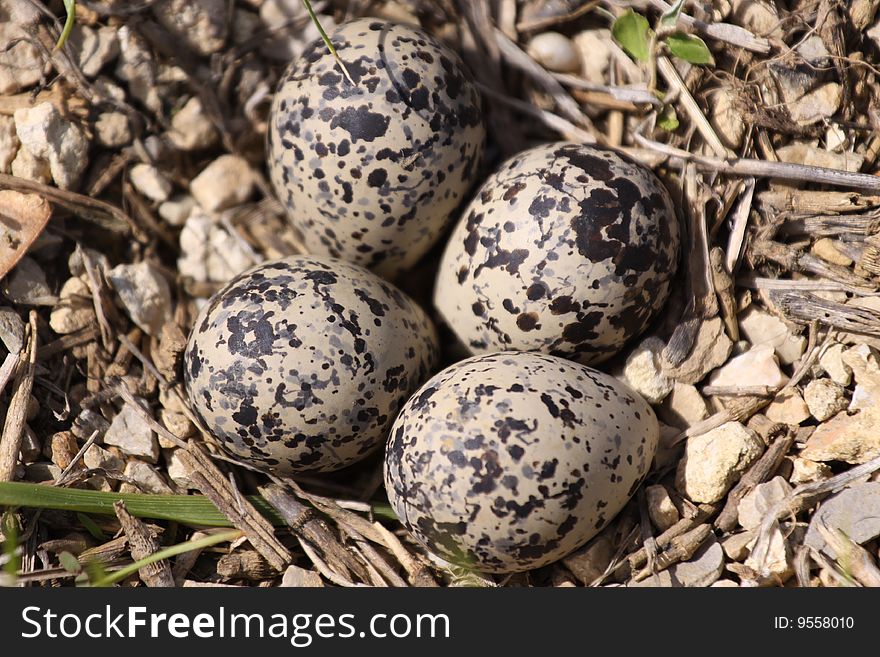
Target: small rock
[
  {"x": 137, "y": 67},
  {"x": 642, "y": 372},
  {"x": 75, "y": 309},
  {"x": 147, "y": 478},
  {"x": 660, "y": 507},
  {"x": 27, "y": 166},
  {"x": 788, "y": 408},
  {"x": 94, "y": 48},
  {"x": 298, "y": 577},
  {"x": 757, "y": 502},
  {"x": 129, "y": 432},
  {"x": 736, "y": 546},
  {"x": 804, "y": 471},
  {"x": 591, "y": 561},
  {"x": 177, "y": 209},
  {"x": 595, "y": 53},
  {"x": 62, "y": 448},
  {"x": 816, "y": 105},
  {"x": 758, "y": 16},
  {"x": 46, "y": 134},
  {"x": 8, "y": 142},
  {"x": 89, "y": 422},
  {"x": 201, "y": 24},
  {"x": 112, "y": 130},
  {"x": 836, "y": 139},
  {"x": 11, "y": 330},
  {"x": 726, "y": 118},
  {"x": 27, "y": 285},
  {"x": 177, "y": 471},
  {"x": 97, "y": 457},
  {"x": 191, "y": 129},
  {"x": 40, "y": 472},
  {"x": 555, "y": 52},
  {"x": 725, "y": 584},
  {"x": 832, "y": 362},
  {"x": 825, "y": 249},
  {"x": 756, "y": 367},
  {"x": 226, "y": 182},
  {"x": 855, "y": 511},
  {"x": 762, "y": 328},
  {"x": 776, "y": 565},
  {"x": 108, "y": 90},
  {"x": 148, "y": 180},
  {"x": 864, "y": 363},
  {"x": 824, "y": 398},
  {"x": 850, "y": 438},
  {"x": 30, "y": 449},
  {"x": 208, "y": 252},
  {"x": 178, "y": 424},
  {"x": 711, "y": 349},
  {"x": 145, "y": 294},
  {"x": 798, "y": 152},
  {"x": 702, "y": 569},
  {"x": 814, "y": 52},
  {"x": 683, "y": 407},
  {"x": 21, "y": 65},
  {"x": 715, "y": 460}
]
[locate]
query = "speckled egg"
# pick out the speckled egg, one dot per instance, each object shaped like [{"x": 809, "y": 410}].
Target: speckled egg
[
  {"x": 566, "y": 249},
  {"x": 510, "y": 461},
  {"x": 302, "y": 363},
  {"x": 371, "y": 172}
]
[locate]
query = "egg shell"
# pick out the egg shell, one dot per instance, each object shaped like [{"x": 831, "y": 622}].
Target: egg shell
[
  {"x": 566, "y": 249},
  {"x": 371, "y": 172},
  {"x": 509, "y": 461},
  {"x": 302, "y": 363}
]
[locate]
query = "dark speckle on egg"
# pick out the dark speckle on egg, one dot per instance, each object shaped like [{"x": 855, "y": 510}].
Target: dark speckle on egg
[
  {"x": 509, "y": 461},
  {"x": 582, "y": 242},
  {"x": 372, "y": 172},
  {"x": 301, "y": 364}
]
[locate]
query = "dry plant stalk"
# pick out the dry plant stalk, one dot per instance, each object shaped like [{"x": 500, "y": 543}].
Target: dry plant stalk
[
  {"x": 16, "y": 414},
  {"x": 142, "y": 544}
]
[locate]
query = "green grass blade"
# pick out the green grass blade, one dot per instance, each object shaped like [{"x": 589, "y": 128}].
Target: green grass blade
[
  {"x": 167, "y": 553},
  {"x": 70, "y": 8},
  {"x": 326, "y": 40},
  {"x": 192, "y": 510}
]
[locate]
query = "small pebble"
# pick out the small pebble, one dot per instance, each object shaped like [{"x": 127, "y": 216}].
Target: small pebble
[
  {"x": 824, "y": 398},
  {"x": 555, "y": 51},
  {"x": 190, "y": 127},
  {"x": 112, "y": 130},
  {"x": 129, "y": 432},
  {"x": 150, "y": 182},
  {"x": 144, "y": 293},
  {"x": 713, "y": 461},
  {"x": 26, "y": 285},
  {"x": 226, "y": 182}
]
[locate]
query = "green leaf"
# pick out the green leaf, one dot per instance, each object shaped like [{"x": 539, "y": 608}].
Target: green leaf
[
  {"x": 670, "y": 18},
  {"x": 69, "y": 563},
  {"x": 91, "y": 526},
  {"x": 632, "y": 32},
  {"x": 690, "y": 48},
  {"x": 668, "y": 119},
  {"x": 10, "y": 545}
]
